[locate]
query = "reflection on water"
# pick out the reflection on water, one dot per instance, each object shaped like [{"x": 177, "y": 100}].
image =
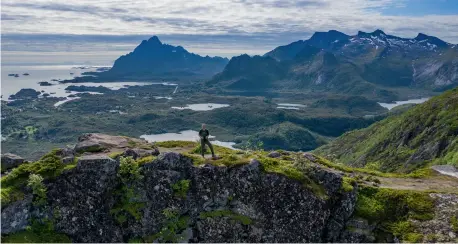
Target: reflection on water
[
  {"x": 397, "y": 103},
  {"x": 203, "y": 106},
  {"x": 293, "y": 106},
  {"x": 282, "y": 107},
  {"x": 186, "y": 135}
]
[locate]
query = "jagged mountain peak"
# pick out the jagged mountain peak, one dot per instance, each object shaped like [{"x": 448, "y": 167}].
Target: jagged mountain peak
[
  {"x": 431, "y": 39},
  {"x": 325, "y": 39},
  {"x": 332, "y": 34},
  {"x": 154, "y": 58},
  {"x": 378, "y": 32},
  {"x": 154, "y": 39}
]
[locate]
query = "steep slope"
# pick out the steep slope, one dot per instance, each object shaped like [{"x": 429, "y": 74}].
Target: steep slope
[
  {"x": 321, "y": 40},
  {"x": 242, "y": 72},
  {"x": 152, "y": 57},
  {"x": 425, "y": 134}
]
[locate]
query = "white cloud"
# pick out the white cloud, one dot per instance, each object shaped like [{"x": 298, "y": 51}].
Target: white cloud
[
  {"x": 213, "y": 27},
  {"x": 208, "y": 17}
]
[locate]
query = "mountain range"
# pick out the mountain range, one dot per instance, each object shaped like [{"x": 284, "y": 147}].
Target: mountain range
[
  {"x": 153, "y": 58},
  {"x": 372, "y": 64}
]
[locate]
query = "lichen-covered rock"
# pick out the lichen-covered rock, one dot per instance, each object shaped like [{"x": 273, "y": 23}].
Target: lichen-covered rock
[
  {"x": 358, "y": 230},
  {"x": 173, "y": 200},
  {"x": 79, "y": 203},
  {"x": 15, "y": 216},
  {"x": 88, "y": 146},
  {"x": 10, "y": 161},
  {"x": 96, "y": 142},
  {"x": 140, "y": 153},
  {"x": 309, "y": 156},
  {"x": 440, "y": 228},
  {"x": 274, "y": 154}
]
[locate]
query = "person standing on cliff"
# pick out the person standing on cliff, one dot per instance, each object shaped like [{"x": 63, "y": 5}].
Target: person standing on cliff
[{"x": 204, "y": 134}]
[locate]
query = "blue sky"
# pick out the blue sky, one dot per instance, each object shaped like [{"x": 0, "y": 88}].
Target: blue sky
[
  {"x": 97, "y": 32},
  {"x": 423, "y": 7}
]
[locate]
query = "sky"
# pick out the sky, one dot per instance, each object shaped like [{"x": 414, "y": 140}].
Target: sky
[{"x": 97, "y": 32}]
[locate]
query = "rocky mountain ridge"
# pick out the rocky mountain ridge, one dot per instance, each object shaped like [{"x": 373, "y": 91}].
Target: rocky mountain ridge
[{"x": 367, "y": 63}]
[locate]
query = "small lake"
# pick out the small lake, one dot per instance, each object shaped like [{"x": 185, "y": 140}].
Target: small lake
[
  {"x": 186, "y": 135},
  {"x": 203, "y": 106},
  {"x": 293, "y": 106},
  {"x": 397, "y": 103}
]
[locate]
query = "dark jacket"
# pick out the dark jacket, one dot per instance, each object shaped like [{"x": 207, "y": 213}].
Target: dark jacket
[{"x": 204, "y": 134}]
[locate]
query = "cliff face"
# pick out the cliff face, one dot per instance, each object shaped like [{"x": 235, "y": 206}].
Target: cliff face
[
  {"x": 119, "y": 189},
  {"x": 170, "y": 199}
]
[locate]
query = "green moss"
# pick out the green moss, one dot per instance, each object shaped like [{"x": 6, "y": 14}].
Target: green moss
[
  {"x": 38, "y": 189},
  {"x": 413, "y": 237},
  {"x": 180, "y": 189},
  {"x": 147, "y": 159},
  {"x": 420, "y": 173},
  {"x": 49, "y": 166},
  {"x": 347, "y": 184},
  {"x": 454, "y": 223},
  {"x": 345, "y": 168},
  {"x": 131, "y": 143},
  {"x": 129, "y": 172},
  {"x": 406, "y": 231},
  {"x": 369, "y": 207},
  {"x": 135, "y": 240},
  {"x": 421, "y": 205},
  {"x": 38, "y": 232},
  {"x": 227, "y": 213},
  {"x": 10, "y": 194},
  {"x": 172, "y": 144},
  {"x": 173, "y": 226},
  {"x": 283, "y": 167},
  {"x": 393, "y": 209},
  {"x": 431, "y": 238},
  {"x": 114, "y": 155},
  {"x": 197, "y": 160},
  {"x": 71, "y": 165}
]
